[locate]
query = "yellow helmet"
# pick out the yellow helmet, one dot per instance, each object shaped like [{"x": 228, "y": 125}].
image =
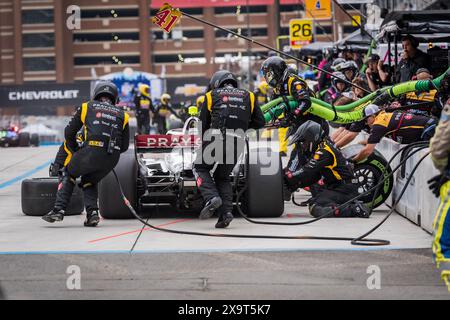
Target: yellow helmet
[
  {"x": 200, "y": 101},
  {"x": 263, "y": 87},
  {"x": 144, "y": 89},
  {"x": 165, "y": 98},
  {"x": 193, "y": 111}
]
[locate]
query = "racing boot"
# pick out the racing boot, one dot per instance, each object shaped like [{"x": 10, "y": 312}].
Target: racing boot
[
  {"x": 360, "y": 210},
  {"x": 224, "y": 220},
  {"x": 54, "y": 216},
  {"x": 318, "y": 211},
  {"x": 210, "y": 207},
  {"x": 92, "y": 219}
]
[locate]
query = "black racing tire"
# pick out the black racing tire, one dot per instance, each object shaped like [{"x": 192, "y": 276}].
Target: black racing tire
[
  {"x": 110, "y": 200},
  {"x": 34, "y": 140},
  {"x": 264, "y": 195},
  {"x": 38, "y": 197},
  {"x": 369, "y": 173},
  {"x": 24, "y": 139}
]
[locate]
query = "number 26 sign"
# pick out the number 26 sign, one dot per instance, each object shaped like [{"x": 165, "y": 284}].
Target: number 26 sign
[{"x": 167, "y": 17}]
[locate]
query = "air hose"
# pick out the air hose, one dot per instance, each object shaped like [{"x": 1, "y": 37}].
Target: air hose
[
  {"x": 354, "y": 111},
  {"x": 362, "y": 240},
  {"x": 329, "y": 213}
]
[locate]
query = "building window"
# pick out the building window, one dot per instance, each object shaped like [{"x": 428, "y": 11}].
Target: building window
[
  {"x": 171, "y": 58},
  {"x": 38, "y": 40},
  {"x": 192, "y": 11},
  {"x": 233, "y": 10},
  {"x": 109, "y": 13},
  {"x": 350, "y": 29},
  {"x": 84, "y": 61},
  {"x": 290, "y": 8},
  {"x": 39, "y": 64},
  {"x": 122, "y": 36},
  {"x": 37, "y": 16},
  {"x": 189, "y": 34},
  {"x": 255, "y": 32}
]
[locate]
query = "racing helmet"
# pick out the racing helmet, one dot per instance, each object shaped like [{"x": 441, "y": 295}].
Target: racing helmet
[
  {"x": 308, "y": 136},
  {"x": 165, "y": 98},
  {"x": 144, "y": 89},
  {"x": 192, "y": 111},
  {"x": 292, "y": 68},
  {"x": 221, "y": 78},
  {"x": 273, "y": 70},
  {"x": 106, "y": 88}
]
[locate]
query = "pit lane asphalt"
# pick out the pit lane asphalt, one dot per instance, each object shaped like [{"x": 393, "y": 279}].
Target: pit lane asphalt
[{"x": 34, "y": 255}]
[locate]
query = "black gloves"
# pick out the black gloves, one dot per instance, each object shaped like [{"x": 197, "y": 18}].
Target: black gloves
[{"x": 436, "y": 183}]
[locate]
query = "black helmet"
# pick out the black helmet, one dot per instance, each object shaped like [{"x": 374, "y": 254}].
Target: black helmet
[
  {"x": 273, "y": 69},
  {"x": 106, "y": 88},
  {"x": 309, "y": 135},
  {"x": 222, "y": 77}
]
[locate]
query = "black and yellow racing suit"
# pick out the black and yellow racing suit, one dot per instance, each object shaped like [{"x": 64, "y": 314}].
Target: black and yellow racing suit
[
  {"x": 160, "y": 115},
  {"x": 225, "y": 109},
  {"x": 143, "y": 107},
  {"x": 337, "y": 180},
  {"x": 296, "y": 87},
  {"x": 106, "y": 135},
  {"x": 402, "y": 127},
  {"x": 440, "y": 154}
]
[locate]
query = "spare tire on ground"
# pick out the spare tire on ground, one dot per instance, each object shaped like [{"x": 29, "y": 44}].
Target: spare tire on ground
[
  {"x": 264, "y": 195},
  {"x": 110, "y": 200},
  {"x": 39, "y": 194},
  {"x": 34, "y": 140},
  {"x": 24, "y": 139}
]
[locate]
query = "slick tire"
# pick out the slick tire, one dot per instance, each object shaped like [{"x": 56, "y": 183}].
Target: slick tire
[
  {"x": 38, "y": 197},
  {"x": 264, "y": 195},
  {"x": 111, "y": 204},
  {"x": 24, "y": 139},
  {"x": 34, "y": 140}
]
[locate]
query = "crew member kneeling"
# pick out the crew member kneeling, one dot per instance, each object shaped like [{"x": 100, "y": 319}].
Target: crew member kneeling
[
  {"x": 323, "y": 159},
  {"x": 106, "y": 135},
  {"x": 226, "y": 108}
]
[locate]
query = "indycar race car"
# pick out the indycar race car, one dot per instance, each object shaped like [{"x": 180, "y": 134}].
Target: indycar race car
[
  {"x": 158, "y": 171},
  {"x": 12, "y": 137}
]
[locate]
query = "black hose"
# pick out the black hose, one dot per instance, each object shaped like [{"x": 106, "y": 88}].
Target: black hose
[
  {"x": 325, "y": 215},
  {"x": 360, "y": 240},
  {"x": 130, "y": 207}
]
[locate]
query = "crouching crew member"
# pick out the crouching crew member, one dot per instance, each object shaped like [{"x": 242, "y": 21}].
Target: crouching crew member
[
  {"x": 106, "y": 135},
  {"x": 324, "y": 160},
  {"x": 440, "y": 153},
  {"x": 226, "y": 108}
]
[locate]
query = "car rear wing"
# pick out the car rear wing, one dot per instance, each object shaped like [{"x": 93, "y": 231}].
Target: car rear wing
[{"x": 165, "y": 143}]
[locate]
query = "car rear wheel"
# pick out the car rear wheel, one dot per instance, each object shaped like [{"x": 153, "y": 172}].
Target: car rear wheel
[
  {"x": 38, "y": 197},
  {"x": 110, "y": 199},
  {"x": 264, "y": 194}
]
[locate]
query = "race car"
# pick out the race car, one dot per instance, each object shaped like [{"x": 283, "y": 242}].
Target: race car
[
  {"x": 12, "y": 137},
  {"x": 158, "y": 171}
]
